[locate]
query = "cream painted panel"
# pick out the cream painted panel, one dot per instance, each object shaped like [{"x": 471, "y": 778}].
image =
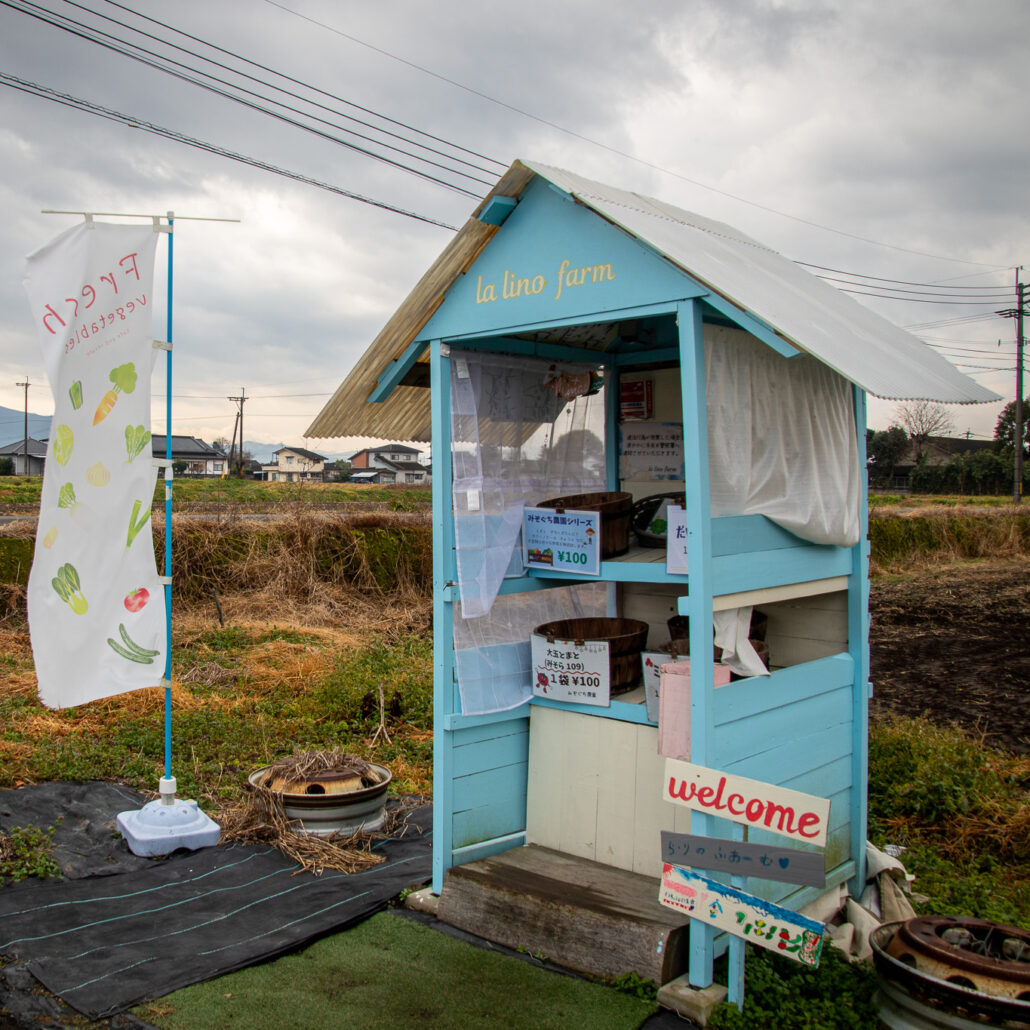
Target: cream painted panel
[
  {"x": 617, "y": 793},
  {"x": 579, "y": 784},
  {"x": 546, "y": 746}
]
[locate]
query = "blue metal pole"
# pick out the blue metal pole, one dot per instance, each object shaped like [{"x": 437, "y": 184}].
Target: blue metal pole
[{"x": 168, "y": 515}]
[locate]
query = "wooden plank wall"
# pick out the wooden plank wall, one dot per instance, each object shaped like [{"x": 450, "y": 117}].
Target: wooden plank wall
[
  {"x": 490, "y": 769},
  {"x": 595, "y": 784},
  {"x": 800, "y": 630}
]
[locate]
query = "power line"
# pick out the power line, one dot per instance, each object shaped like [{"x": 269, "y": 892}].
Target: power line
[
  {"x": 314, "y": 89},
  {"x": 90, "y": 34},
  {"x": 46, "y": 93},
  {"x": 615, "y": 150},
  {"x": 918, "y": 300},
  {"x": 898, "y": 282}
]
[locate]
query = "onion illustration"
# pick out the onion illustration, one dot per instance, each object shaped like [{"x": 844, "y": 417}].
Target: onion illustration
[{"x": 98, "y": 475}]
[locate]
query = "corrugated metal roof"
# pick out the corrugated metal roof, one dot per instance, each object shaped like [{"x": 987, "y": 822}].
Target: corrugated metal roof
[
  {"x": 854, "y": 341},
  {"x": 811, "y": 314}
]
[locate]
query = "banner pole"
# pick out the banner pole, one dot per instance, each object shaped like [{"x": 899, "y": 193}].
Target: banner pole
[{"x": 168, "y": 514}]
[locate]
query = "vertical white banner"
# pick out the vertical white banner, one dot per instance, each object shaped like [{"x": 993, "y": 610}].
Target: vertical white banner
[{"x": 96, "y": 604}]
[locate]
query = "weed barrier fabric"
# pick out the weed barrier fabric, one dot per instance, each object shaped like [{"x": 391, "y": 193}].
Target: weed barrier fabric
[{"x": 103, "y": 944}]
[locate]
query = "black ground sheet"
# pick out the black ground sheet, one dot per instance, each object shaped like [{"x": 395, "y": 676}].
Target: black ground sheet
[{"x": 106, "y": 942}]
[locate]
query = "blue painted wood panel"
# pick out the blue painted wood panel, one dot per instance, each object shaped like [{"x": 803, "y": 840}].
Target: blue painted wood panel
[
  {"x": 758, "y": 569},
  {"x": 488, "y": 787},
  {"x": 804, "y": 751},
  {"x": 776, "y": 727},
  {"x": 553, "y": 260},
  {"x": 733, "y": 534},
  {"x": 745, "y": 698},
  {"x": 504, "y": 816},
  {"x": 495, "y": 753}
]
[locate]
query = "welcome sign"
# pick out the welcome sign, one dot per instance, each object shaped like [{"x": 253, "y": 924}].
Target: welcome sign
[{"x": 751, "y": 802}]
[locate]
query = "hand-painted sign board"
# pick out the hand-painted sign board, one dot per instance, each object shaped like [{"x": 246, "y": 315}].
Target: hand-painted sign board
[
  {"x": 570, "y": 670},
  {"x": 562, "y": 540},
  {"x": 744, "y": 915},
  {"x": 751, "y": 802},
  {"x": 785, "y": 865}
]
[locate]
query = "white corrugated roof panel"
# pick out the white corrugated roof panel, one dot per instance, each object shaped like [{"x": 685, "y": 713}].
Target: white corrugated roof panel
[{"x": 858, "y": 343}]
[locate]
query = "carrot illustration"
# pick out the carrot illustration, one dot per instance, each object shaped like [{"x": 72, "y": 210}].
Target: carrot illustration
[{"x": 123, "y": 378}]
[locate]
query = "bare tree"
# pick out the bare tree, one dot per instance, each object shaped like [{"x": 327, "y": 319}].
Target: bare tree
[{"x": 923, "y": 419}]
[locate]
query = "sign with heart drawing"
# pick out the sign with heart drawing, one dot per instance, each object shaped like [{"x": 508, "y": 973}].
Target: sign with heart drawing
[{"x": 714, "y": 854}]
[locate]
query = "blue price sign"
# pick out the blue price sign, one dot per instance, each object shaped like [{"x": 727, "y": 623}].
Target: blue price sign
[{"x": 562, "y": 541}]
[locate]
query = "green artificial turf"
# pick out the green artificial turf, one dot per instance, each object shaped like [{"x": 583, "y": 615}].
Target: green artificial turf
[{"x": 388, "y": 972}]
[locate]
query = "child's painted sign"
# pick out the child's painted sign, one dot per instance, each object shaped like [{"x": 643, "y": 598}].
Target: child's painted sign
[
  {"x": 569, "y": 670},
  {"x": 785, "y": 865},
  {"x": 676, "y": 541},
  {"x": 651, "y": 449},
  {"x": 751, "y": 802},
  {"x": 744, "y": 915},
  {"x": 562, "y": 541}
]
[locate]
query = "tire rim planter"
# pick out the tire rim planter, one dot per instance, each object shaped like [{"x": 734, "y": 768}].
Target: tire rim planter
[
  {"x": 951, "y": 971},
  {"x": 329, "y": 803}
]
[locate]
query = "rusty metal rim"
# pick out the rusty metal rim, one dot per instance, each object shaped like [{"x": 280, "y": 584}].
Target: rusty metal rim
[
  {"x": 923, "y": 934},
  {"x": 930, "y": 991},
  {"x": 322, "y": 800}
]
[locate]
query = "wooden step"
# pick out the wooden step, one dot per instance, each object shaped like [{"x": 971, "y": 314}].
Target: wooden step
[{"x": 580, "y": 914}]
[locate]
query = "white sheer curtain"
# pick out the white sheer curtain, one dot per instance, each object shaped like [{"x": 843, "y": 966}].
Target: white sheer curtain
[
  {"x": 781, "y": 439},
  {"x": 513, "y": 443}
]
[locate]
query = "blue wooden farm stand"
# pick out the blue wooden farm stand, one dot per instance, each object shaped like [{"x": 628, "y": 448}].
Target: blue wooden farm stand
[{"x": 555, "y": 269}]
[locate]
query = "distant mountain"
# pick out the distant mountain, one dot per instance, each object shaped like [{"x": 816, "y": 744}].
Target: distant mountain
[
  {"x": 12, "y": 426},
  {"x": 264, "y": 452}
]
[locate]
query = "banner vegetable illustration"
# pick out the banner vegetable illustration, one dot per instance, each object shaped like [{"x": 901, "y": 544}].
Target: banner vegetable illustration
[
  {"x": 124, "y": 378},
  {"x": 136, "y": 523},
  {"x": 136, "y": 438},
  {"x": 75, "y": 394},
  {"x": 66, "y": 586},
  {"x": 64, "y": 440},
  {"x": 66, "y": 496},
  {"x": 129, "y": 649}
]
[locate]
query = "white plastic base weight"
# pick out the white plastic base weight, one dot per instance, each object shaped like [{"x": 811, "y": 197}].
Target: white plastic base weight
[{"x": 159, "y": 827}]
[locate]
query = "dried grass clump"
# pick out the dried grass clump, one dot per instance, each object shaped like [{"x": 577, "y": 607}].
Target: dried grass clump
[
  {"x": 308, "y": 558},
  {"x": 904, "y": 541},
  {"x": 306, "y": 764}
]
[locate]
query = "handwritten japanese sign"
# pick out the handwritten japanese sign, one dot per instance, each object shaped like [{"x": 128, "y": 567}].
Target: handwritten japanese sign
[
  {"x": 653, "y": 450},
  {"x": 569, "y": 670},
  {"x": 562, "y": 541},
  {"x": 744, "y": 915},
  {"x": 764, "y": 805},
  {"x": 676, "y": 541},
  {"x": 786, "y": 865}
]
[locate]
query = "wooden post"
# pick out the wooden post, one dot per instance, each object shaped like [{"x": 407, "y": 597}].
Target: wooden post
[
  {"x": 443, "y": 617},
  {"x": 698, "y": 604},
  {"x": 858, "y": 645}
]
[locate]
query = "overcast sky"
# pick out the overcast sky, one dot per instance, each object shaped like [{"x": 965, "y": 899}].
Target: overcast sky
[{"x": 887, "y": 140}]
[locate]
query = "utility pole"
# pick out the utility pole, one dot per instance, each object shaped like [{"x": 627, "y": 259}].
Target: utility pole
[
  {"x": 25, "y": 439},
  {"x": 1017, "y": 431},
  {"x": 239, "y": 401},
  {"x": 1017, "y": 428}
]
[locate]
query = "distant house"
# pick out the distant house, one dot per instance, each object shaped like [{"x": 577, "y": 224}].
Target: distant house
[
  {"x": 36, "y": 456},
  {"x": 390, "y": 463},
  {"x": 201, "y": 458},
  {"x": 936, "y": 451},
  {"x": 294, "y": 465}
]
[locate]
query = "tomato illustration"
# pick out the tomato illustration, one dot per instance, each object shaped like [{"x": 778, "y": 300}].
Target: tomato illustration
[{"x": 136, "y": 599}]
